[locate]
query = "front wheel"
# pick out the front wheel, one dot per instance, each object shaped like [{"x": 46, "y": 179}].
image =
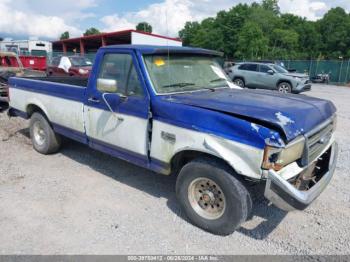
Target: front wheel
[
  {"x": 239, "y": 82},
  {"x": 44, "y": 139},
  {"x": 284, "y": 88},
  {"x": 212, "y": 198}
]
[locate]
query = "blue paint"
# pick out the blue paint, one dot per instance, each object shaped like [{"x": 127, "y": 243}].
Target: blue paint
[
  {"x": 15, "y": 112},
  {"x": 152, "y": 49},
  {"x": 262, "y": 106},
  {"x": 131, "y": 157},
  {"x": 134, "y": 105},
  {"x": 228, "y": 113},
  {"x": 69, "y": 92},
  {"x": 115, "y": 151},
  {"x": 209, "y": 121},
  {"x": 72, "y": 134}
]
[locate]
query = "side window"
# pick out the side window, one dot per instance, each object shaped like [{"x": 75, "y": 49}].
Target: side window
[
  {"x": 243, "y": 67},
  {"x": 249, "y": 67},
  {"x": 120, "y": 67},
  {"x": 252, "y": 67},
  {"x": 264, "y": 68}
]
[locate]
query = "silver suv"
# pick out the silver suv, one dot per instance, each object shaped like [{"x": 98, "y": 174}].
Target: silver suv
[{"x": 269, "y": 76}]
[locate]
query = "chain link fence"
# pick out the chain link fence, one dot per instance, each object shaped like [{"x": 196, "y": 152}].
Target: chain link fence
[{"x": 338, "y": 70}]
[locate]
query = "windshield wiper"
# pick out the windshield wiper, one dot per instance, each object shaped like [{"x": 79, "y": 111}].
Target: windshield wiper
[{"x": 179, "y": 85}]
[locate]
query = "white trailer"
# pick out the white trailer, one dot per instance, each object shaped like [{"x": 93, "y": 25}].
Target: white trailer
[{"x": 27, "y": 47}]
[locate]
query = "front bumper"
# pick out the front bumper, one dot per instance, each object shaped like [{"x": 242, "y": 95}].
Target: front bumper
[
  {"x": 302, "y": 88},
  {"x": 287, "y": 197}
]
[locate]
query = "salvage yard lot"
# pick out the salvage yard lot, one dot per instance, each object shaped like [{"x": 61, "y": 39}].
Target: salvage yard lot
[{"x": 81, "y": 201}]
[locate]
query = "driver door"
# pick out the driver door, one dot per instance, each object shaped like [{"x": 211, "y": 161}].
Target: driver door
[
  {"x": 117, "y": 108},
  {"x": 266, "y": 80}
]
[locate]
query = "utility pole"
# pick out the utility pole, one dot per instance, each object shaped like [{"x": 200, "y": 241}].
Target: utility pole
[
  {"x": 347, "y": 71},
  {"x": 341, "y": 68}
]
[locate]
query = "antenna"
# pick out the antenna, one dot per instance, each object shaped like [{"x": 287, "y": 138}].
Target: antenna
[{"x": 167, "y": 41}]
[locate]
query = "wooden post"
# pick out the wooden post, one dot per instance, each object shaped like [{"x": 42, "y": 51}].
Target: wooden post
[
  {"x": 64, "y": 47},
  {"x": 103, "y": 39},
  {"x": 82, "y": 47}
]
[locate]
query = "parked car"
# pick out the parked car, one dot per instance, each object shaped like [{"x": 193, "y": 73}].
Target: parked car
[
  {"x": 275, "y": 62},
  {"x": 10, "y": 65},
  {"x": 269, "y": 76},
  {"x": 70, "y": 66},
  {"x": 322, "y": 78},
  {"x": 173, "y": 110}
]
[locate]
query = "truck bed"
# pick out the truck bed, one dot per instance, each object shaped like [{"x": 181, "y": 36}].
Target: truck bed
[{"x": 61, "y": 99}]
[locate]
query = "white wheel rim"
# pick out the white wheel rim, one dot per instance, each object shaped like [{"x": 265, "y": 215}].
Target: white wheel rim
[
  {"x": 239, "y": 82},
  {"x": 283, "y": 89},
  {"x": 39, "y": 133},
  {"x": 206, "y": 198}
]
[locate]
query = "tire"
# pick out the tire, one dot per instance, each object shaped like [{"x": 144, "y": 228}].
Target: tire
[
  {"x": 224, "y": 204},
  {"x": 44, "y": 139},
  {"x": 284, "y": 88},
  {"x": 239, "y": 82}
]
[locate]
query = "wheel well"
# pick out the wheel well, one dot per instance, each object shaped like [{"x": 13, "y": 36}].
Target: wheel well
[
  {"x": 31, "y": 109},
  {"x": 182, "y": 158},
  {"x": 238, "y": 77},
  {"x": 287, "y": 81}
]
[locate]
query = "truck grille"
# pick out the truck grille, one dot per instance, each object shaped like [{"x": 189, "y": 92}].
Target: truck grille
[{"x": 317, "y": 140}]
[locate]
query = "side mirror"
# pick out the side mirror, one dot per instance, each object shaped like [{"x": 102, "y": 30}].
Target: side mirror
[
  {"x": 270, "y": 72},
  {"x": 107, "y": 85}
]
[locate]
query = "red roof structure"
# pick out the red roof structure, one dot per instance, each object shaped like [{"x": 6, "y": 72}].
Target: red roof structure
[{"x": 92, "y": 43}]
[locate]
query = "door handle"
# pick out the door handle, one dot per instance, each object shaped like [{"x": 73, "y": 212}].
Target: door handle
[{"x": 93, "y": 100}]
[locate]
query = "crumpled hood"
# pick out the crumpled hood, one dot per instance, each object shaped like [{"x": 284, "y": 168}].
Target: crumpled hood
[{"x": 291, "y": 114}]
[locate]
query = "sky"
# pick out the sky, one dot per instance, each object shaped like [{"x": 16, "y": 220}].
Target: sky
[{"x": 47, "y": 19}]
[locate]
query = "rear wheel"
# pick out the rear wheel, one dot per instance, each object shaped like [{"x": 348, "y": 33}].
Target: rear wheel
[
  {"x": 212, "y": 198},
  {"x": 44, "y": 139},
  {"x": 284, "y": 88},
  {"x": 239, "y": 82}
]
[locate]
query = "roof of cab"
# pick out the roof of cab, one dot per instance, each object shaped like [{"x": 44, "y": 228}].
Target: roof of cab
[{"x": 153, "y": 49}]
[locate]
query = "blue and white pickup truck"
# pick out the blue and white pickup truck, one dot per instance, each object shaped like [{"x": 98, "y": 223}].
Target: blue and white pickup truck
[{"x": 174, "y": 111}]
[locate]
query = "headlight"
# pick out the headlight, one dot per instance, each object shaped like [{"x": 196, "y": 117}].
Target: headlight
[
  {"x": 276, "y": 158},
  {"x": 83, "y": 71}
]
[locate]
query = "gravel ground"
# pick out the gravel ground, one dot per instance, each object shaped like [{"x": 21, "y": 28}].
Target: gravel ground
[{"x": 80, "y": 201}]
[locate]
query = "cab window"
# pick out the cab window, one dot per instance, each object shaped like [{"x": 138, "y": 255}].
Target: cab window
[{"x": 120, "y": 67}]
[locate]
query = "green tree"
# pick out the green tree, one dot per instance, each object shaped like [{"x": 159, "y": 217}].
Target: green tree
[
  {"x": 285, "y": 43},
  {"x": 252, "y": 43},
  {"x": 271, "y": 5},
  {"x": 188, "y": 32},
  {"x": 92, "y": 31},
  {"x": 335, "y": 31},
  {"x": 64, "y": 35},
  {"x": 145, "y": 27},
  {"x": 260, "y": 30}
]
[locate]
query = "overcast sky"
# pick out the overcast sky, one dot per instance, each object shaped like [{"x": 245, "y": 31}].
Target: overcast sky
[{"x": 49, "y": 18}]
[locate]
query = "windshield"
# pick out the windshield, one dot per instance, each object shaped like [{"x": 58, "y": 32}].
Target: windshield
[
  {"x": 280, "y": 69},
  {"x": 181, "y": 73},
  {"x": 80, "y": 61}
]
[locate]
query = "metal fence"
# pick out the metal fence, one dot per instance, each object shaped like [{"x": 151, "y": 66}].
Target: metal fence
[{"x": 339, "y": 70}]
